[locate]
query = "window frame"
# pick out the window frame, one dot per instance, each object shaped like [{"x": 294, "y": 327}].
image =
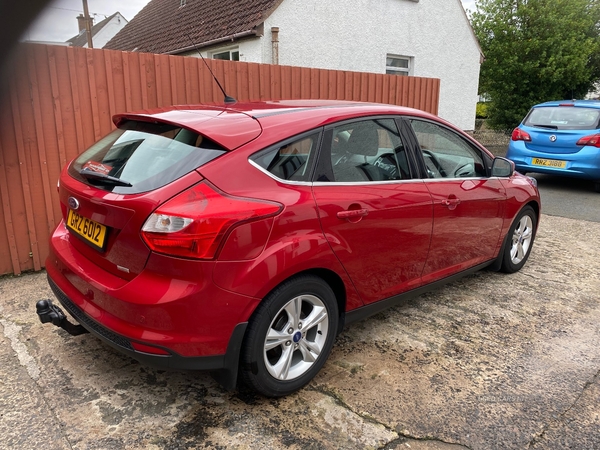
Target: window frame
[
  {"x": 310, "y": 163},
  {"x": 323, "y": 167},
  {"x": 399, "y": 71},
  {"x": 229, "y": 50},
  {"x": 418, "y": 152}
]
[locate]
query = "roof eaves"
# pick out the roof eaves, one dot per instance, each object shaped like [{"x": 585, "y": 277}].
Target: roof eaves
[
  {"x": 232, "y": 37},
  {"x": 481, "y": 55},
  {"x": 100, "y": 25},
  {"x": 271, "y": 10}
]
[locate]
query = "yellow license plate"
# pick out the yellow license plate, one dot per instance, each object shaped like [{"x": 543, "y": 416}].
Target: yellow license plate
[
  {"x": 93, "y": 232},
  {"x": 549, "y": 163}
]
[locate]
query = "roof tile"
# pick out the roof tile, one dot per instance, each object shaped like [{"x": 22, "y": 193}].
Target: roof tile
[{"x": 164, "y": 26}]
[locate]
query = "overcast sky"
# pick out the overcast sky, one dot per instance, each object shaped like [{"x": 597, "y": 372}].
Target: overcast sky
[{"x": 58, "y": 22}]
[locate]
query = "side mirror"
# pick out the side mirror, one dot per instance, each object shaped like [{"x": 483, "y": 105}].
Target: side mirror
[{"x": 502, "y": 167}]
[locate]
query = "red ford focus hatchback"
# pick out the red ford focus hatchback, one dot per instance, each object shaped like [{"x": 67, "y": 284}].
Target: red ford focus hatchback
[{"x": 241, "y": 239}]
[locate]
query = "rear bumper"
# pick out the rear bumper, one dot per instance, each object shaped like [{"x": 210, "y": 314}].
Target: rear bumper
[
  {"x": 171, "y": 315},
  {"x": 123, "y": 344},
  {"x": 584, "y": 164},
  {"x": 224, "y": 368}
]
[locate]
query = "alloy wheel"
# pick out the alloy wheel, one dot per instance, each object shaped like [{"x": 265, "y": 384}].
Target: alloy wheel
[
  {"x": 521, "y": 239},
  {"x": 296, "y": 337}
]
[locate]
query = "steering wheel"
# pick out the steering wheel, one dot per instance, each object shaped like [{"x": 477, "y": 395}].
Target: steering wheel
[
  {"x": 435, "y": 162},
  {"x": 387, "y": 163}
]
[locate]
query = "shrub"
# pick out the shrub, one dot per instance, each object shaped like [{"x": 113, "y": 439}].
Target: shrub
[{"x": 481, "y": 111}]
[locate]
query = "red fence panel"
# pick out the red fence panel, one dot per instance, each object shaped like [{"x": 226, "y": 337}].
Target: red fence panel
[{"x": 59, "y": 100}]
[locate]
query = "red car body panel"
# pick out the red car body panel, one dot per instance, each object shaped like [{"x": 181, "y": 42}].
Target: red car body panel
[
  {"x": 398, "y": 220},
  {"x": 188, "y": 315},
  {"x": 473, "y": 208},
  {"x": 409, "y": 236}
]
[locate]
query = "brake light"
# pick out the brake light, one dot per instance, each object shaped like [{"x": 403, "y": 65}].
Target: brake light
[
  {"x": 520, "y": 135},
  {"x": 592, "y": 140},
  {"x": 194, "y": 223}
]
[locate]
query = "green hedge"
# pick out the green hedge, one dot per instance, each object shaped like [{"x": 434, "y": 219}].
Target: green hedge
[{"x": 481, "y": 112}]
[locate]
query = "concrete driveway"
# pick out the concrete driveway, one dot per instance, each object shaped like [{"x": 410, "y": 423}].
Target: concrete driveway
[{"x": 491, "y": 361}]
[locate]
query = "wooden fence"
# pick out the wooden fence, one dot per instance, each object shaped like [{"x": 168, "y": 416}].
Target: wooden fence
[{"x": 58, "y": 100}]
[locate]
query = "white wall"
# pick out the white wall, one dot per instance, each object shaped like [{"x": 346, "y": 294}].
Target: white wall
[
  {"x": 108, "y": 31},
  {"x": 358, "y": 34}
]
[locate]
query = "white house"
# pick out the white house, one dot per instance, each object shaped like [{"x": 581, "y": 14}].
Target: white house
[
  {"x": 425, "y": 38},
  {"x": 102, "y": 32}
]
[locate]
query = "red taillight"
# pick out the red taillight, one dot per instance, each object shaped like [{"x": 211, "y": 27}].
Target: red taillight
[
  {"x": 520, "y": 135},
  {"x": 193, "y": 224},
  {"x": 592, "y": 140}
]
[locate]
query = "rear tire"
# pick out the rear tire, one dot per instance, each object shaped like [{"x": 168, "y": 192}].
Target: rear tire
[
  {"x": 290, "y": 336},
  {"x": 597, "y": 186},
  {"x": 519, "y": 240}
]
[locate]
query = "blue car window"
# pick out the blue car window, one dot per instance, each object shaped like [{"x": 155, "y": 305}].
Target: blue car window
[{"x": 563, "y": 118}]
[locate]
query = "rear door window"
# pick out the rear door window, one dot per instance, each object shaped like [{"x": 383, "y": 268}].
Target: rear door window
[
  {"x": 563, "y": 118},
  {"x": 140, "y": 157},
  {"x": 364, "y": 151}
]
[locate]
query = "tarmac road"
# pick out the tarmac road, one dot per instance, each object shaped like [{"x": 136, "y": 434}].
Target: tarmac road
[
  {"x": 568, "y": 197},
  {"x": 490, "y": 362},
  {"x": 561, "y": 196}
]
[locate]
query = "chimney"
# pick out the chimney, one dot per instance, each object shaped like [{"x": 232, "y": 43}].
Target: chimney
[{"x": 81, "y": 22}]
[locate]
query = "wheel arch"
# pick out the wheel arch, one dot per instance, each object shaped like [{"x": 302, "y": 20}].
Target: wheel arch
[
  {"x": 330, "y": 277},
  {"x": 536, "y": 208},
  {"x": 339, "y": 290},
  {"x": 254, "y": 369},
  {"x": 497, "y": 264}
]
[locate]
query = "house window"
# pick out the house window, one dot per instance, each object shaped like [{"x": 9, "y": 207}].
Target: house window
[
  {"x": 228, "y": 55},
  {"x": 397, "y": 65}
]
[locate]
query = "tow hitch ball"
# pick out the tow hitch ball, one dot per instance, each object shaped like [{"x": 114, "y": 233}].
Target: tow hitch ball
[{"x": 48, "y": 312}]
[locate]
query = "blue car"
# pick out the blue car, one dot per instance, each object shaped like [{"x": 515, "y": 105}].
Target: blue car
[{"x": 559, "y": 138}]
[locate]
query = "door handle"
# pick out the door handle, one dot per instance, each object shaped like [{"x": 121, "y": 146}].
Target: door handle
[
  {"x": 352, "y": 213},
  {"x": 451, "y": 202}
]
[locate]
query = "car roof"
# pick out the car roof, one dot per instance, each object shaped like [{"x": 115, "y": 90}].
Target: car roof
[
  {"x": 232, "y": 125},
  {"x": 580, "y": 103}
]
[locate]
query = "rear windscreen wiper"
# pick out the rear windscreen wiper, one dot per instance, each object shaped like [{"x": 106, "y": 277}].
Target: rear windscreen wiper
[
  {"x": 551, "y": 127},
  {"x": 101, "y": 177}
]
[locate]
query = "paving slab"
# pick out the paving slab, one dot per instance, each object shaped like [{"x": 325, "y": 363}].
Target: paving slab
[{"x": 491, "y": 361}]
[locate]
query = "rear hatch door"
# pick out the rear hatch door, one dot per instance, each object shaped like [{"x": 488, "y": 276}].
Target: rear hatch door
[
  {"x": 109, "y": 191},
  {"x": 556, "y": 128},
  {"x": 554, "y": 141}
]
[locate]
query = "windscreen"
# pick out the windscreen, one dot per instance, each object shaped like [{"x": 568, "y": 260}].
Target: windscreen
[
  {"x": 142, "y": 156},
  {"x": 564, "y": 118}
]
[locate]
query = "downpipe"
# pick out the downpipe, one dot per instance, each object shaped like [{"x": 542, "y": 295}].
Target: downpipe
[{"x": 49, "y": 312}]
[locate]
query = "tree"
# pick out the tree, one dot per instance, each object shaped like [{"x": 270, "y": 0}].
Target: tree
[{"x": 535, "y": 51}]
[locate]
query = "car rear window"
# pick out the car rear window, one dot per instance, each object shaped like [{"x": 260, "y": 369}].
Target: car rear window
[
  {"x": 563, "y": 118},
  {"x": 142, "y": 156}
]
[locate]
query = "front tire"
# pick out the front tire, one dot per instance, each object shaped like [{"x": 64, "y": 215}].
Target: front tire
[
  {"x": 289, "y": 336},
  {"x": 520, "y": 240}
]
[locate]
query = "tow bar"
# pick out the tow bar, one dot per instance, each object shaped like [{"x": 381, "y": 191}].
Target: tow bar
[{"x": 48, "y": 312}]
